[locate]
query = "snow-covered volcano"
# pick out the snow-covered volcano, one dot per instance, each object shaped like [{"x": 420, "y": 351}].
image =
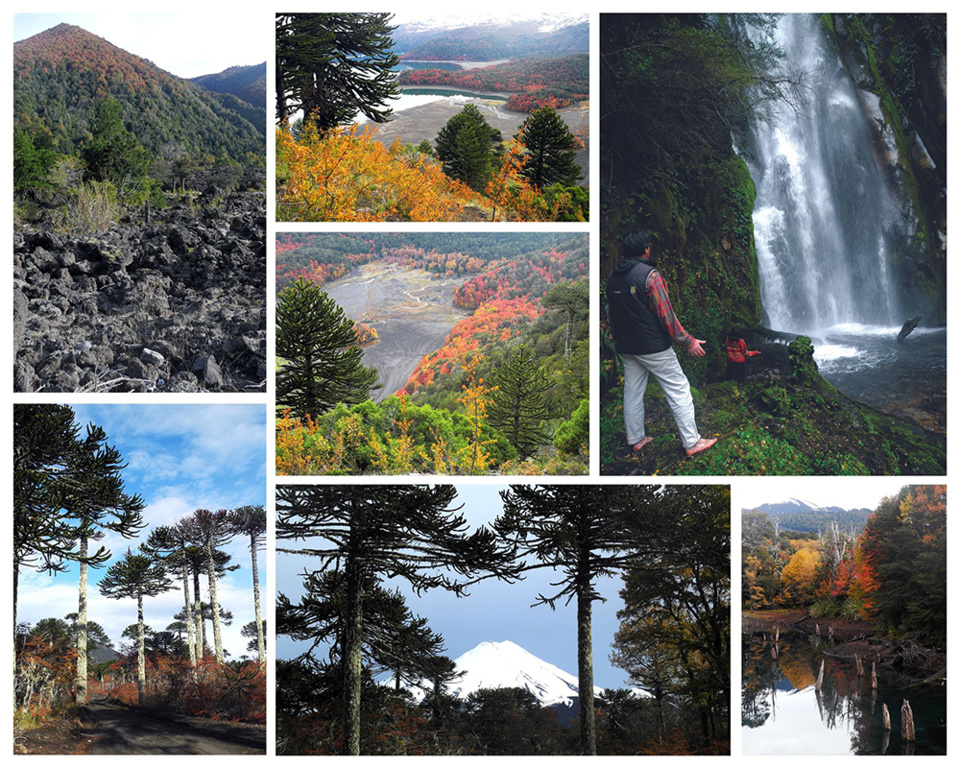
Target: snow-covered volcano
[{"x": 507, "y": 665}]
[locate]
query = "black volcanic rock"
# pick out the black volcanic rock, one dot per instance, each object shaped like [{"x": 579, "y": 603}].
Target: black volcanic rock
[{"x": 190, "y": 284}]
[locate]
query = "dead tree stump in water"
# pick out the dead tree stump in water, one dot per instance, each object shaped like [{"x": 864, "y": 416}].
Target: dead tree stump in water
[
  {"x": 820, "y": 676},
  {"x": 886, "y": 719},
  {"x": 873, "y": 675},
  {"x": 907, "y": 727},
  {"x": 859, "y": 663}
]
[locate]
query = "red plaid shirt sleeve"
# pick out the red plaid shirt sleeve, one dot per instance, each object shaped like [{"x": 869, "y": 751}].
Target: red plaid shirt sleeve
[{"x": 660, "y": 303}]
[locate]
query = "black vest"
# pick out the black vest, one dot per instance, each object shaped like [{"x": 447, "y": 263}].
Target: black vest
[{"x": 636, "y": 328}]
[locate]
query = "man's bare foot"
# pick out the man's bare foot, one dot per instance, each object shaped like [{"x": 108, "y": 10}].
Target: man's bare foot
[
  {"x": 643, "y": 441},
  {"x": 701, "y": 445}
]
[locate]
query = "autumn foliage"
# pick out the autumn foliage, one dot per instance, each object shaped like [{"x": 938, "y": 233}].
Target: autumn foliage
[
  {"x": 893, "y": 572},
  {"x": 346, "y": 175},
  {"x": 533, "y": 83},
  {"x": 234, "y": 691}
]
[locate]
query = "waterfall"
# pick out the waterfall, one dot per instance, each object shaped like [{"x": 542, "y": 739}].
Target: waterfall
[{"x": 824, "y": 209}]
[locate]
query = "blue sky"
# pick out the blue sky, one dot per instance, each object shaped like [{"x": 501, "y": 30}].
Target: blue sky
[
  {"x": 180, "y": 458},
  {"x": 494, "y": 610},
  {"x": 186, "y": 45}
]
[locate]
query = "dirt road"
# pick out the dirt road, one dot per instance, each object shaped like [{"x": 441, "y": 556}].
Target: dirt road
[{"x": 105, "y": 729}]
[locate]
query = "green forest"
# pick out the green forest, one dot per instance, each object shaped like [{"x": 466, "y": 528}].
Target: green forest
[
  {"x": 98, "y": 131},
  {"x": 680, "y": 91},
  {"x": 356, "y": 647},
  {"x": 506, "y": 392}
]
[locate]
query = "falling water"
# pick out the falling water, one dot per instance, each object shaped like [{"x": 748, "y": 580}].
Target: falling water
[{"x": 822, "y": 201}]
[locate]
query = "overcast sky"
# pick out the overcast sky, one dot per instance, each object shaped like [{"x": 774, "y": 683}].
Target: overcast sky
[
  {"x": 494, "y": 610},
  {"x": 186, "y": 45},
  {"x": 180, "y": 459},
  {"x": 844, "y": 492}
]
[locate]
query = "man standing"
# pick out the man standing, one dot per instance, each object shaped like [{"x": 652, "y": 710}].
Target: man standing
[{"x": 644, "y": 328}]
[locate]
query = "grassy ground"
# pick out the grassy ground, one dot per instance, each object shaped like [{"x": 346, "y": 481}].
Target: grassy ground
[{"x": 771, "y": 425}]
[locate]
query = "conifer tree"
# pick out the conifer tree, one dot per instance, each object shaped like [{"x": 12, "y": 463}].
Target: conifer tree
[
  {"x": 92, "y": 495},
  {"x": 213, "y": 529},
  {"x": 552, "y": 149},
  {"x": 114, "y": 154},
  {"x": 468, "y": 147},
  {"x": 136, "y": 576},
  {"x": 518, "y": 408},
  {"x": 408, "y": 532},
  {"x": 44, "y": 439},
  {"x": 332, "y": 66},
  {"x": 674, "y": 635},
  {"x": 573, "y": 299},
  {"x": 251, "y": 521},
  {"x": 171, "y": 543},
  {"x": 581, "y": 531},
  {"x": 322, "y": 361}
]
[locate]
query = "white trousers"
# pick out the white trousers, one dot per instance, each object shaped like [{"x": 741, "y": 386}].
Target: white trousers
[{"x": 666, "y": 370}]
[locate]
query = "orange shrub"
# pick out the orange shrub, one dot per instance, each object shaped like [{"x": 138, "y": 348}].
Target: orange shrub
[{"x": 346, "y": 175}]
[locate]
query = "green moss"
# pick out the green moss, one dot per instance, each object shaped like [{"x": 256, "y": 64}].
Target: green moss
[{"x": 769, "y": 426}]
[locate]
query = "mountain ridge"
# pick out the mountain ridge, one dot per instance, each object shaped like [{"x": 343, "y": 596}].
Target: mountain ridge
[{"x": 61, "y": 74}]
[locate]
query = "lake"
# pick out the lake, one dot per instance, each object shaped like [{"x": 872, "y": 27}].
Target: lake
[{"x": 783, "y": 714}]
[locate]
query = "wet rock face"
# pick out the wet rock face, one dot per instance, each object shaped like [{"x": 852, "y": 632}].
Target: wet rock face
[{"x": 136, "y": 308}]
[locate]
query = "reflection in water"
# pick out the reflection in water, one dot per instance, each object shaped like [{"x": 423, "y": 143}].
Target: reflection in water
[{"x": 783, "y": 713}]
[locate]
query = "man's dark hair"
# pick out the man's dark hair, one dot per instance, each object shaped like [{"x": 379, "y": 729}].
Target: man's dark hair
[{"x": 635, "y": 244}]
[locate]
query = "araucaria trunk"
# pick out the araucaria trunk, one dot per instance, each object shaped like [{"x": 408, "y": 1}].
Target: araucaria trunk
[
  {"x": 214, "y": 605},
  {"x": 188, "y": 615},
  {"x": 352, "y": 661},
  {"x": 82, "y": 627},
  {"x": 261, "y": 644},
  {"x": 588, "y": 726},
  {"x": 141, "y": 662}
]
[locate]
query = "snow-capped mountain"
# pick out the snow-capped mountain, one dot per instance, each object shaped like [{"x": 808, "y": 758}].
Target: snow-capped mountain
[
  {"x": 799, "y": 515},
  {"x": 545, "y": 22},
  {"x": 507, "y": 665}
]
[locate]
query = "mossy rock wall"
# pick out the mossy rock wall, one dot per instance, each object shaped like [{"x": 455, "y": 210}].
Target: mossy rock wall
[
  {"x": 901, "y": 58},
  {"x": 703, "y": 245}
]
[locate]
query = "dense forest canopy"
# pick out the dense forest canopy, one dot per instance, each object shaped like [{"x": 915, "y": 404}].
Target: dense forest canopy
[
  {"x": 528, "y": 300},
  {"x": 62, "y": 74},
  {"x": 891, "y": 572}
]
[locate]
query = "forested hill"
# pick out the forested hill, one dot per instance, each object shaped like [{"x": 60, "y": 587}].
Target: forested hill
[
  {"x": 61, "y": 75},
  {"x": 321, "y": 258},
  {"x": 491, "y": 41},
  {"x": 247, "y": 83},
  {"x": 555, "y": 82}
]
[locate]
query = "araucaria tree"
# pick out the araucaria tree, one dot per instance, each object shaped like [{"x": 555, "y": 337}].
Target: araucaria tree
[
  {"x": 173, "y": 543},
  {"x": 213, "y": 530},
  {"x": 552, "y": 149},
  {"x": 44, "y": 440},
  {"x": 251, "y": 521},
  {"x": 468, "y": 147},
  {"x": 581, "y": 531},
  {"x": 323, "y": 364},
  {"x": 374, "y": 532},
  {"x": 332, "y": 66},
  {"x": 91, "y": 493},
  {"x": 518, "y": 408},
  {"x": 136, "y": 576}
]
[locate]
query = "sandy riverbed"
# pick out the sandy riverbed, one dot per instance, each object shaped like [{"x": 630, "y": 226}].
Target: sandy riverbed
[{"x": 411, "y": 311}]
